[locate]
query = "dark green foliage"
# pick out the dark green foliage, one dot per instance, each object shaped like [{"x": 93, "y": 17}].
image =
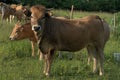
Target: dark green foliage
[{"x": 84, "y": 5}]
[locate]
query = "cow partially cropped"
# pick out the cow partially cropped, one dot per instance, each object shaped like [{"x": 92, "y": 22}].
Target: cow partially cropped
[
  {"x": 69, "y": 35},
  {"x": 25, "y": 10},
  {"x": 19, "y": 14},
  {"x": 6, "y": 11}
]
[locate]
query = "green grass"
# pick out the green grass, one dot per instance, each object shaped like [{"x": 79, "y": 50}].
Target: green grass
[{"x": 16, "y": 62}]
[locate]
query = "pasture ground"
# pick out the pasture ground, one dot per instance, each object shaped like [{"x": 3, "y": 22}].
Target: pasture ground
[{"x": 16, "y": 62}]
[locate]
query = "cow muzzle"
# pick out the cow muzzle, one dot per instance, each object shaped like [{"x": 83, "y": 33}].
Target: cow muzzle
[
  {"x": 36, "y": 27},
  {"x": 11, "y": 38}
]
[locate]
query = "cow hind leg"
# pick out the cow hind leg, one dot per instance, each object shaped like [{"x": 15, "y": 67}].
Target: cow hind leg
[
  {"x": 92, "y": 53},
  {"x": 100, "y": 54},
  {"x": 101, "y": 61},
  {"x": 89, "y": 54},
  {"x": 95, "y": 64}
]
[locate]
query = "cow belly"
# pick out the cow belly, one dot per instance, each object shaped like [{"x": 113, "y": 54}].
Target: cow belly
[{"x": 72, "y": 47}]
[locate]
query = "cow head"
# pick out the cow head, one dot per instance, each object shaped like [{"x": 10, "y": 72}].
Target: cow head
[
  {"x": 39, "y": 13},
  {"x": 17, "y": 33}
]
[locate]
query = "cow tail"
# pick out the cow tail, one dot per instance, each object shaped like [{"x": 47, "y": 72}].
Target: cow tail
[
  {"x": 103, "y": 28},
  {"x": 101, "y": 20}
]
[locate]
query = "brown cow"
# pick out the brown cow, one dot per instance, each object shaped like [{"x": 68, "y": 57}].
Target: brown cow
[
  {"x": 21, "y": 32},
  {"x": 6, "y": 11},
  {"x": 68, "y": 35},
  {"x": 25, "y": 32}
]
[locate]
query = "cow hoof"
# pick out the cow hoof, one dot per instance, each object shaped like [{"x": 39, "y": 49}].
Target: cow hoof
[
  {"x": 47, "y": 74},
  {"x": 100, "y": 73}
]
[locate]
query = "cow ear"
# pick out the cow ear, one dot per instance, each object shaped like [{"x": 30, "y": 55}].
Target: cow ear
[{"x": 48, "y": 12}]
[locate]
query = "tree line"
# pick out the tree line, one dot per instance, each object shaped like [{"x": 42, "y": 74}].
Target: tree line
[{"x": 83, "y": 5}]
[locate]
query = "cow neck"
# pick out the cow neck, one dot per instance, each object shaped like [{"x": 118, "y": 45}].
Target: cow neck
[{"x": 41, "y": 22}]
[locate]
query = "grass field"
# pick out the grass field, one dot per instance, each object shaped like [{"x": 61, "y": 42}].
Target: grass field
[{"x": 16, "y": 62}]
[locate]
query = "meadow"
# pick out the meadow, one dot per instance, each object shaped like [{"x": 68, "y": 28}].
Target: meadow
[{"x": 16, "y": 62}]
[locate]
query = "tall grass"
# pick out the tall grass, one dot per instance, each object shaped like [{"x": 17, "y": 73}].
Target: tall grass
[{"x": 16, "y": 62}]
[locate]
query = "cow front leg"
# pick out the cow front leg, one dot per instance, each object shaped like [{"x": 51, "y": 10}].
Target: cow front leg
[
  {"x": 41, "y": 55},
  {"x": 33, "y": 48},
  {"x": 49, "y": 62},
  {"x": 101, "y": 59},
  {"x": 45, "y": 64}
]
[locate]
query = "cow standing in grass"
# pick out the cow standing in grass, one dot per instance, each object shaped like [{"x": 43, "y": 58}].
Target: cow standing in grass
[
  {"x": 21, "y": 32},
  {"x": 68, "y": 35},
  {"x": 25, "y": 31}
]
